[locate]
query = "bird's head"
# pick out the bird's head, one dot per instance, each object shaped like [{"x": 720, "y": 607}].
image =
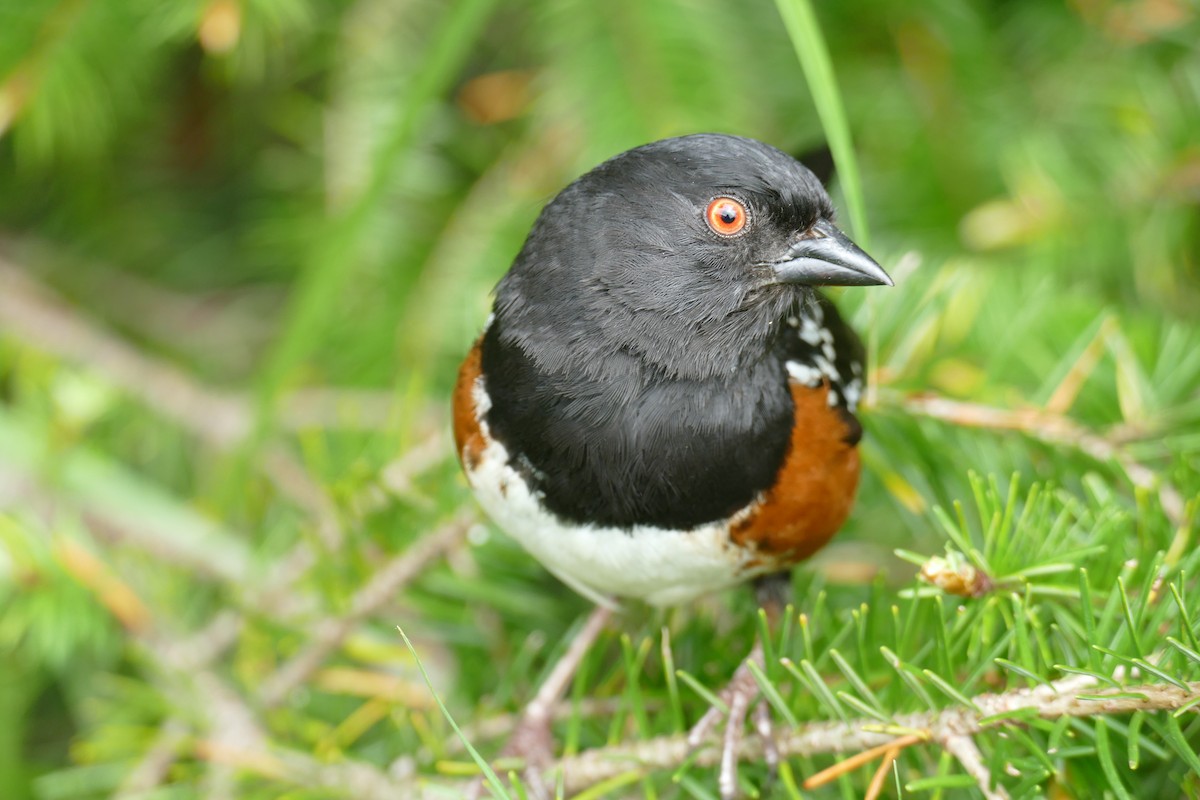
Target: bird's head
[{"x": 685, "y": 253}]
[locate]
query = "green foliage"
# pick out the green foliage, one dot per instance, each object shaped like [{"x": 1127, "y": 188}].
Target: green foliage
[
  {"x": 810, "y": 47},
  {"x": 271, "y": 227}
]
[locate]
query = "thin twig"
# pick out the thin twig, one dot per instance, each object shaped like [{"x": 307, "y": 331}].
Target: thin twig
[
  {"x": 115, "y": 525},
  {"x": 295, "y": 483},
  {"x": 235, "y": 742},
  {"x": 875, "y": 787},
  {"x": 541, "y": 708},
  {"x": 1048, "y": 427},
  {"x": 396, "y": 477},
  {"x": 383, "y": 587},
  {"x": 967, "y": 752},
  {"x": 531, "y": 739},
  {"x": 32, "y": 313},
  {"x": 155, "y": 763},
  {"x": 858, "y": 759},
  {"x": 202, "y": 648}
]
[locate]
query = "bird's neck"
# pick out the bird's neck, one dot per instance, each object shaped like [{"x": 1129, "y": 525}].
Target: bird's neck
[{"x": 579, "y": 433}]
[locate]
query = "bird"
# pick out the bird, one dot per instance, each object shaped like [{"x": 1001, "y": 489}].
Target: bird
[{"x": 662, "y": 405}]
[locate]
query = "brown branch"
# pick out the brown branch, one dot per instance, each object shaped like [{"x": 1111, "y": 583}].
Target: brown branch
[
  {"x": 33, "y": 314},
  {"x": 222, "y": 420},
  {"x": 830, "y": 774},
  {"x": 875, "y": 787},
  {"x": 963, "y": 748},
  {"x": 156, "y": 762},
  {"x": 382, "y": 587},
  {"x": 30, "y": 312},
  {"x": 1048, "y": 427},
  {"x": 113, "y": 524},
  {"x": 945, "y": 727},
  {"x": 36, "y": 315}
]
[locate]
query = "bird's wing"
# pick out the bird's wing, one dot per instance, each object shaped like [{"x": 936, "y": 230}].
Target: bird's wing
[{"x": 819, "y": 347}]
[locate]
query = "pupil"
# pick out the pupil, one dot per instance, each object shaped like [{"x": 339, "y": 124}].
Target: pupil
[{"x": 728, "y": 215}]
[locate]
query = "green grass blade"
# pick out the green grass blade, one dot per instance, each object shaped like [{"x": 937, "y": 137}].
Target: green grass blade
[
  {"x": 604, "y": 788},
  {"x": 809, "y": 43},
  {"x": 941, "y": 782},
  {"x": 771, "y": 693},
  {"x": 1179, "y": 743},
  {"x": 699, "y": 688},
  {"x": 947, "y": 689},
  {"x": 857, "y": 681},
  {"x": 1134, "y": 738},
  {"x": 668, "y": 658},
  {"x": 1104, "y": 754},
  {"x": 492, "y": 779}
]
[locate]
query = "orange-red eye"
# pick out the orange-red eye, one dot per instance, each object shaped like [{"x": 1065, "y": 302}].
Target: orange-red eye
[{"x": 725, "y": 216}]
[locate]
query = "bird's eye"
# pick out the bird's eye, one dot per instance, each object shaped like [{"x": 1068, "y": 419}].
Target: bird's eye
[{"x": 725, "y": 216}]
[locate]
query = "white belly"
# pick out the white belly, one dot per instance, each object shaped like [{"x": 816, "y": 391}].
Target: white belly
[{"x": 659, "y": 566}]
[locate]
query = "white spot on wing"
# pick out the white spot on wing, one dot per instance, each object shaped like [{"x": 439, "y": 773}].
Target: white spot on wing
[
  {"x": 853, "y": 392},
  {"x": 827, "y": 368},
  {"x": 820, "y": 361},
  {"x": 810, "y": 331},
  {"x": 803, "y": 373}
]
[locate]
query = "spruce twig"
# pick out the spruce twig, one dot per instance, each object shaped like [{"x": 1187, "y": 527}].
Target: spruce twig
[
  {"x": 1053, "y": 701},
  {"x": 1051, "y": 428}
]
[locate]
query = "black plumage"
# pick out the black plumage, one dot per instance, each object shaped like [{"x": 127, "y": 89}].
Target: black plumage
[{"x": 637, "y": 360}]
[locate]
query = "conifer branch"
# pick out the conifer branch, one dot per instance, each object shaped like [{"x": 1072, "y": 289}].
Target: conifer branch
[
  {"x": 963, "y": 748},
  {"x": 154, "y": 765},
  {"x": 31, "y": 312},
  {"x": 1052, "y": 428},
  {"x": 34, "y": 314},
  {"x": 384, "y": 585},
  {"x": 948, "y": 728}
]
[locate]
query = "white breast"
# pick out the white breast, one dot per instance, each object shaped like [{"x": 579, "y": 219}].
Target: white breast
[{"x": 659, "y": 566}]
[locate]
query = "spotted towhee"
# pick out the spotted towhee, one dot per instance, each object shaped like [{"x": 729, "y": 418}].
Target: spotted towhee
[{"x": 661, "y": 404}]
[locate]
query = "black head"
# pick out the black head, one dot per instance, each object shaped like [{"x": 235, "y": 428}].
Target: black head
[{"x": 683, "y": 253}]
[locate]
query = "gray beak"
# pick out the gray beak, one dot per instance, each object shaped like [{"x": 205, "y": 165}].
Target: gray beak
[{"x": 830, "y": 259}]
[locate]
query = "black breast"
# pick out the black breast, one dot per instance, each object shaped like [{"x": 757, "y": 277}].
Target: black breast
[{"x": 627, "y": 446}]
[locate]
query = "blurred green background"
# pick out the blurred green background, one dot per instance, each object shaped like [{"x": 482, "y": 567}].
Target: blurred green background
[{"x": 244, "y": 244}]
